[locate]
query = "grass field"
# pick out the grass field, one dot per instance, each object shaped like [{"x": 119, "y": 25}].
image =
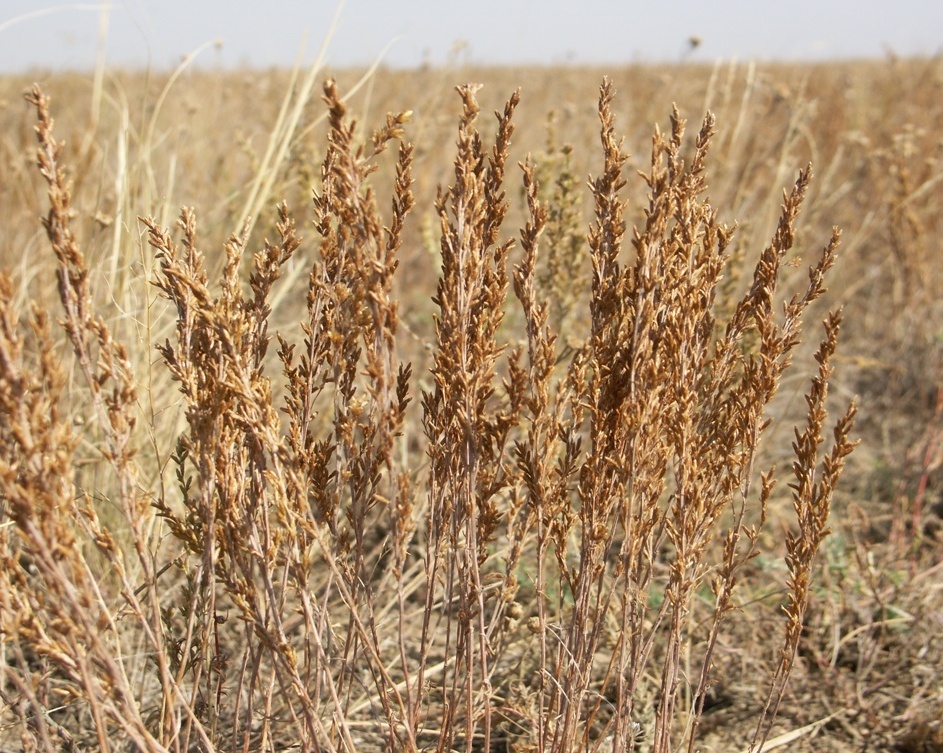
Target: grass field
[{"x": 348, "y": 416}]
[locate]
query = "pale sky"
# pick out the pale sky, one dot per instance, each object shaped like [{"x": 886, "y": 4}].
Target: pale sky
[{"x": 158, "y": 33}]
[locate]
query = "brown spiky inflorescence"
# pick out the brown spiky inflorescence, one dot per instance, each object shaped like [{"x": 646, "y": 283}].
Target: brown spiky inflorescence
[{"x": 534, "y": 578}]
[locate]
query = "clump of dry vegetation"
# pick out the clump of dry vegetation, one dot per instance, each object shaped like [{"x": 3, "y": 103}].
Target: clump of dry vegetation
[{"x": 240, "y": 509}]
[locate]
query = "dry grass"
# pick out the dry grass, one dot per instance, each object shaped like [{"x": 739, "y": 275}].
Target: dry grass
[{"x": 536, "y": 514}]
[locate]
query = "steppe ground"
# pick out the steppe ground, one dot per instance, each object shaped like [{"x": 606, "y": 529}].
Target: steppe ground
[{"x": 869, "y": 673}]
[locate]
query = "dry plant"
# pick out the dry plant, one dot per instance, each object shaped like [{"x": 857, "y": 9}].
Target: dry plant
[{"x": 548, "y": 567}]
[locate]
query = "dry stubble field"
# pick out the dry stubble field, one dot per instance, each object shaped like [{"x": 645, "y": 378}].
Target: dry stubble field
[{"x": 505, "y": 497}]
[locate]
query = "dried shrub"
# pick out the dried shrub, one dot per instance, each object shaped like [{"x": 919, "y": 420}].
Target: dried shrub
[{"x": 540, "y": 554}]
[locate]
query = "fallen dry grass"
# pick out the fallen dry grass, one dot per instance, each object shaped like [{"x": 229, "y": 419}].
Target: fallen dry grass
[{"x": 523, "y": 502}]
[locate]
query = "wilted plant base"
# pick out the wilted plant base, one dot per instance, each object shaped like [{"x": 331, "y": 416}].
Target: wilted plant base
[{"x": 555, "y": 569}]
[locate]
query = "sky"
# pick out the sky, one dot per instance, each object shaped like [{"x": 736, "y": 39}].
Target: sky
[{"x": 158, "y": 34}]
